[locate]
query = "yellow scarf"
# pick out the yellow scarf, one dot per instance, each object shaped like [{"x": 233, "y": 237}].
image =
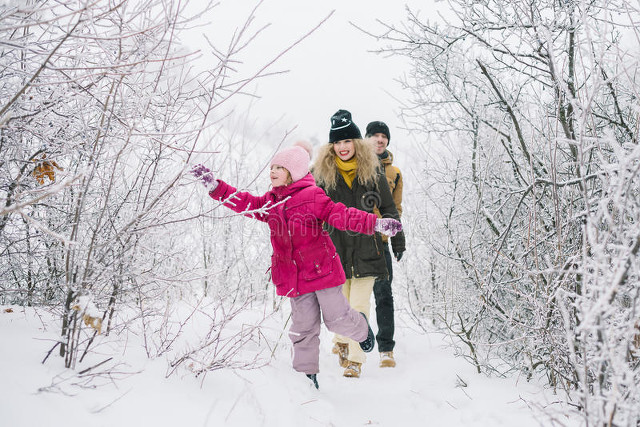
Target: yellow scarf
[{"x": 347, "y": 169}]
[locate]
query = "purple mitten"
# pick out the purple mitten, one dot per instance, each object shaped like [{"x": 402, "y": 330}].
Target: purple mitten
[
  {"x": 206, "y": 176},
  {"x": 388, "y": 226}
]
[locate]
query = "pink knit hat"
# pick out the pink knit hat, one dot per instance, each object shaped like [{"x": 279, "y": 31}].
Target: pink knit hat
[{"x": 295, "y": 159}]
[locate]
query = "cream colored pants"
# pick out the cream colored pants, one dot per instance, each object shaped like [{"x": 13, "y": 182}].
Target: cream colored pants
[{"x": 358, "y": 292}]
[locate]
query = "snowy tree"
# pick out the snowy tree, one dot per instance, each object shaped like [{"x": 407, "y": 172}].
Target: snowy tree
[
  {"x": 102, "y": 110},
  {"x": 532, "y": 201}
]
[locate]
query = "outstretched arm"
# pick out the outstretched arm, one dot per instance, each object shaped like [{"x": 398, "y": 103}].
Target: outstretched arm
[
  {"x": 340, "y": 216},
  {"x": 343, "y": 218},
  {"x": 238, "y": 201}
]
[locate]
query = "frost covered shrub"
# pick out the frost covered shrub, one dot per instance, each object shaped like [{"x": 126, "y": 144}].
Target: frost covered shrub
[
  {"x": 108, "y": 93},
  {"x": 529, "y": 183}
]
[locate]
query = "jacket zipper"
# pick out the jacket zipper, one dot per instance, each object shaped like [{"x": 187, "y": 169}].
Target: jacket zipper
[
  {"x": 376, "y": 242},
  {"x": 292, "y": 258}
]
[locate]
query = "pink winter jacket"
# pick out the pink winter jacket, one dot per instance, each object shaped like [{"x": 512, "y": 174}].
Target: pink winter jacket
[{"x": 304, "y": 259}]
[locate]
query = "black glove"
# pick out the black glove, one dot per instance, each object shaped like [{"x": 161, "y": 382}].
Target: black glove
[{"x": 398, "y": 255}]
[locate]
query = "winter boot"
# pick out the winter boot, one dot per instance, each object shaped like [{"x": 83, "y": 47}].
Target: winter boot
[
  {"x": 352, "y": 370},
  {"x": 342, "y": 350},
  {"x": 386, "y": 359},
  {"x": 314, "y": 379},
  {"x": 369, "y": 342}
]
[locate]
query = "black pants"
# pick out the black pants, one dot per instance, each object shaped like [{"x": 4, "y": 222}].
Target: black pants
[{"x": 384, "y": 307}]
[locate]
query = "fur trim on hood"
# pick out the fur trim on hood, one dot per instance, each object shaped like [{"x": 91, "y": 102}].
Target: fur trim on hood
[{"x": 325, "y": 170}]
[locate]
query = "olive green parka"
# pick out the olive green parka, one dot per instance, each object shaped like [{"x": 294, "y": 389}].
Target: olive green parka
[{"x": 361, "y": 255}]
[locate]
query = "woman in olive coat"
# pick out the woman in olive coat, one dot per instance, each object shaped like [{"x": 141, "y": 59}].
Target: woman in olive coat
[{"x": 349, "y": 171}]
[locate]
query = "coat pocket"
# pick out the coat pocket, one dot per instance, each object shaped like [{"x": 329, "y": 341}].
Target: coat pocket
[
  {"x": 277, "y": 270},
  {"x": 316, "y": 262},
  {"x": 369, "y": 247}
]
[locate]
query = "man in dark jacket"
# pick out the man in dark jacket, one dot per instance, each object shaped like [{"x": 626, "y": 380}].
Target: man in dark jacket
[{"x": 379, "y": 133}]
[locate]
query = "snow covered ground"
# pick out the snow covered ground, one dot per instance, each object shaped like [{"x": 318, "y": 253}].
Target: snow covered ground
[{"x": 429, "y": 387}]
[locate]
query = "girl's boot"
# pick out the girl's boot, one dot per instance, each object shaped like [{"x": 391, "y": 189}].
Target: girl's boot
[{"x": 314, "y": 379}]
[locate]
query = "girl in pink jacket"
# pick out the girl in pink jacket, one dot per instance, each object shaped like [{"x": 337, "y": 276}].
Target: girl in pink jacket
[{"x": 304, "y": 263}]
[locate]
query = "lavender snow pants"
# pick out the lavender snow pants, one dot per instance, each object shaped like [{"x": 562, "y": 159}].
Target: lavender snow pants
[{"x": 338, "y": 316}]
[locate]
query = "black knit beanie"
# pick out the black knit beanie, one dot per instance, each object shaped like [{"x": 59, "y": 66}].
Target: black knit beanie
[
  {"x": 378, "y": 127},
  {"x": 342, "y": 127}
]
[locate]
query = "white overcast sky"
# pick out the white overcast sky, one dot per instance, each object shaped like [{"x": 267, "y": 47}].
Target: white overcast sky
[{"x": 332, "y": 69}]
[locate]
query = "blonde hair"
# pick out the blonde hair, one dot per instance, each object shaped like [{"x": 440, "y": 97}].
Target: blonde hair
[{"x": 325, "y": 168}]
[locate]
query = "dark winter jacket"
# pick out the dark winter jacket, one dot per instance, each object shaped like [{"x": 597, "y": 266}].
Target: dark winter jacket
[
  {"x": 361, "y": 255},
  {"x": 304, "y": 258}
]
